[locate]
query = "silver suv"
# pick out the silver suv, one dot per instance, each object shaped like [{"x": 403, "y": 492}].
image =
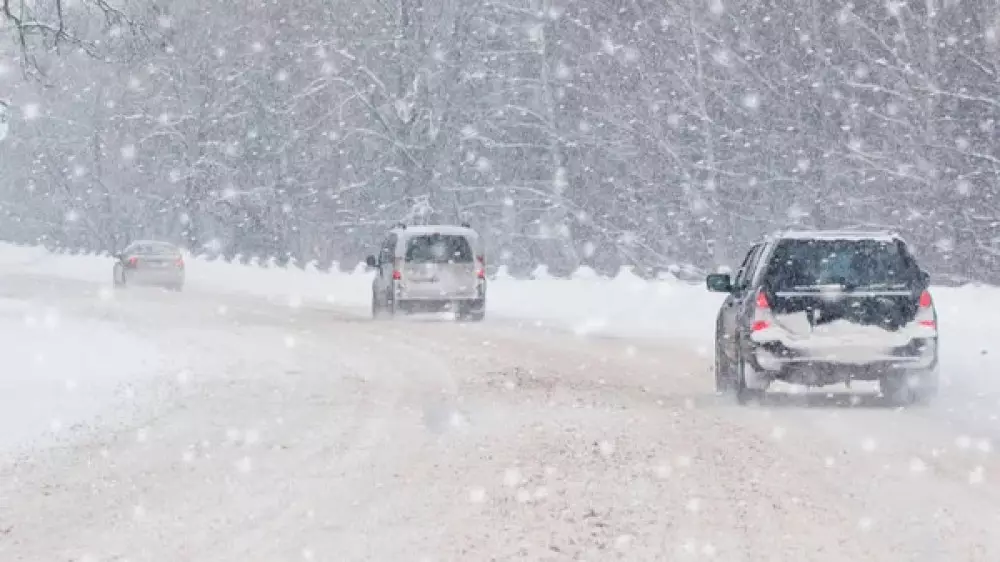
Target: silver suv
[{"x": 430, "y": 269}]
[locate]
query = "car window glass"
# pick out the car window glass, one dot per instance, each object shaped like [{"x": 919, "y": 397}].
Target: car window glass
[
  {"x": 388, "y": 249},
  {"x": 802, "y": 265},
  {"x": 754, "y": 265},
  {"x": 438, "y": 248},
  {"x": 744, "y": 272}
]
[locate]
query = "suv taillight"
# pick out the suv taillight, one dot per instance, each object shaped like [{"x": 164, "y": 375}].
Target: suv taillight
[
  {"x": 925, "y": 314},
  {"x": 925, "y": 299},
  {"x": 761, "y": 307}
]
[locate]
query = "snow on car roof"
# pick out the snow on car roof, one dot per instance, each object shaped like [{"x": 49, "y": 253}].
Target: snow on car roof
[
  {"x": 152, "y": 243},
  {"x": 425, "y": 229},
  {"x": 882, "y": 235}
]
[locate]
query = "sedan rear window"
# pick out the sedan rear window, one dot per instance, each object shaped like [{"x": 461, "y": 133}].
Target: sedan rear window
[
  {"x": 853, "y": 264},
  {"x": 438, "y": 248},
  {"x": 152, "y": 249}
]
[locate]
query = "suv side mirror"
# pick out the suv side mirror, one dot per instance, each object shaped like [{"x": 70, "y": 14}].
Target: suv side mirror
[
  {"x": 118, "y": 256},
  {"x": 925, "y": 278},
  {"x": 719, "y": 283},
  {"x": 371, "y": 262}
]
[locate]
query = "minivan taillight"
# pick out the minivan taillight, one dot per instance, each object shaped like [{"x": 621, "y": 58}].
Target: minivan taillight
[
  {"x": 481, "y": 268},
  {"x": 397, "y": 275}
]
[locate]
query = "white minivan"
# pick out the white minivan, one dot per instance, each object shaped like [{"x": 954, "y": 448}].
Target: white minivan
[{"x": 430, "y": 268}]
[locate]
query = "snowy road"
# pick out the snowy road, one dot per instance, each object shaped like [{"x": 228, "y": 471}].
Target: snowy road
[{"x": 279, "y": 433}]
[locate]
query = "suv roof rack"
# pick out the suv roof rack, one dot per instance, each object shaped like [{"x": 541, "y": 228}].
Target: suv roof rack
[
  {"x": 465, "y": 224},
  {"x": 831, "y": 233},
  {"x": 400, "y": 225}
]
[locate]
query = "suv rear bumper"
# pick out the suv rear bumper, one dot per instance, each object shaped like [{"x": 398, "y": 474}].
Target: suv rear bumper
[{"x": 775, "y": 357}]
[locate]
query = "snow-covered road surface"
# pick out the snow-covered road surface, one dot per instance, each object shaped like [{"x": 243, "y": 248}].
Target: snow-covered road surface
[{"x": 283, "y": 432}]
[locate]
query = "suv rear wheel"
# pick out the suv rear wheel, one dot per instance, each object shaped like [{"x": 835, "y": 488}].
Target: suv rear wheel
[
  {"x": 746, "y": 394},
  {"x": 902, "y": 388},
  {"x": 723, "y": 370}
]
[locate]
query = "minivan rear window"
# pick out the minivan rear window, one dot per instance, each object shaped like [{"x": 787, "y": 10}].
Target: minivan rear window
[
  {"x": 438, "y": 248},
  {"x": 853, "y": 264}
]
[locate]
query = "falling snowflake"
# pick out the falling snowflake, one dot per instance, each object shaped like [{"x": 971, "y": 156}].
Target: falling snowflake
[
  {"x": 865, "y": 523},
  {"x": 141, "y": 435},
  {"x": 245, "y": 465},
  {"x": 868, "y": 445},
  {"x": 607, "y": 448},
  {"x": 778, "y": 433},
  {"x": 963, "y": 187},
  {"x": 128, "y": 151},
  {"x": 693, "y": 504},
  {"x": 751, "y": 100},
  {"x": 512, "y": 477},
  {"x": 717, "y": 7},
  {"x": 31, "y": 111},
  {"x": 917, "y": 465},
  {"x": 71, "y": 215},
  {"x": 563, "y": 71},
  {"x": 976, "y": 476},
  {"x": 289, "y": 341},
  {"x": 477, "y": 495},
  {"x": 251, "y": 437},
  {"x": 963, "y": 442},
  {"x": 134, "y": 83},
  {"x": 164, "y": 22},
  {"x": 257, "y": 47}
]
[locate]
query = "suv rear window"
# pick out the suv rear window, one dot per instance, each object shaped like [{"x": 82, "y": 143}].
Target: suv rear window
[
  {"x": 854, "y": 264},
  {"x": 438, "y": 248}
]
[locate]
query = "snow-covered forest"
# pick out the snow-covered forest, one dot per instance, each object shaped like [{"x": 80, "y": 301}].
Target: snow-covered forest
[{"x": 568, "y": 132}]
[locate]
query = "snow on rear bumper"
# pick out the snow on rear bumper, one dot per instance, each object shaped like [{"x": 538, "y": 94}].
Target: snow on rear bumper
[{"x": 918, "y": 354}]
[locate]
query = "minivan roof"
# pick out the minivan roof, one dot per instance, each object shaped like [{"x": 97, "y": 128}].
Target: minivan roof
[{"x": 425, "y": 229}]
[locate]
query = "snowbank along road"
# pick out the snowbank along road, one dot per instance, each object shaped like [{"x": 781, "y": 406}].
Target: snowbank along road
[{"x": 275, "y": 431}]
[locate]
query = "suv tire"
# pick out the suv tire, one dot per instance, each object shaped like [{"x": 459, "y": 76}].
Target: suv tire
[
  {"x": 723, "y": 370},
  {"x": 744, "y": 394}
]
